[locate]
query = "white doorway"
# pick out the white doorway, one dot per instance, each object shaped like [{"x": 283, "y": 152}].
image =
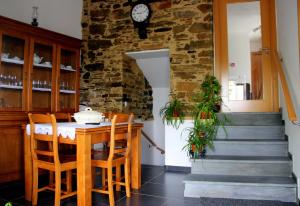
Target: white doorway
[{"x": 155, "y": 64}]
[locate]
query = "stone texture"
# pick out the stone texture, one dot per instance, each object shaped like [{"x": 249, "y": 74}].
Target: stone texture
[
  {"x": 184, "y": 27},
  {"x": 97, "y": 29},
  {"x": 200, "y": 27},
  {"x": 136, "y": 89}
]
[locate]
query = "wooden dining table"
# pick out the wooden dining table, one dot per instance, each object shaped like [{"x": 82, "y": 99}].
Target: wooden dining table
[{"x": 84, "y": 139}]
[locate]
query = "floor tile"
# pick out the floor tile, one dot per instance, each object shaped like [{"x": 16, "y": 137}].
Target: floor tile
[
  {"x": 149, "y": 172},
  {"x": 159, "y": 188},
  {"x": 170, "y": 178},
  {"x": 102, "y": 199},
  {"x": 12, "y": 191},
  {"x": 141, "y": 200},
  {"x": 21, "y": 202},
  {"x": 3, "y": 202},
  {"x": 182, "y": 202},
  {"x": 162, "y": 190}
]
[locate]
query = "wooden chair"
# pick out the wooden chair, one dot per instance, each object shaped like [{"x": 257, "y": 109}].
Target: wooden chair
[
  {"x": 48, "y": 159},
  {"x": 67, "y": 150},
  {"x": 116, "y": 157},
  {"x": 63, "y": 117}
]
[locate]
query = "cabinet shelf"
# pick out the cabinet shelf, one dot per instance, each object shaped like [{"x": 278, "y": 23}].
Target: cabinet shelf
[
  {"x": 41, "y": 89},
  {"x": 68, "y": 69},
  {"x": 67, "y": 91},
  {"x": 12, "y": 61},
  {"x": 43, "y": 65},
  {"x": 5, "y": 86}
]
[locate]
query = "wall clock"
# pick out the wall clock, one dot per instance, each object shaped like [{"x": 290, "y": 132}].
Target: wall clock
[{"x": 140, "y": 15}]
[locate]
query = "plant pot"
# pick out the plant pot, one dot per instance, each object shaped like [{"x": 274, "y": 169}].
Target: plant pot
[
  {"x": 197, "y": 154},
  {"x": 175, "y": 114},
  {"x": 217, "y": 108},
  {"x": 205, "y": 115}
]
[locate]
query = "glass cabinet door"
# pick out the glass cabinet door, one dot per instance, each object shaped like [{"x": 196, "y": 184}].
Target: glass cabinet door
[
  {"x": 12, "y": 72},
  {"x": 42, "y": 68},
  {"x": 67, "y": 79}
]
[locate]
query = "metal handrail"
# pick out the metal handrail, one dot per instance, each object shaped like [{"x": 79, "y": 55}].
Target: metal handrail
[{"x": 152, "y": 143}]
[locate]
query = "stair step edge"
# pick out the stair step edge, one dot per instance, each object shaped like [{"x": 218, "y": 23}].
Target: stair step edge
[
  {"x": 241, "y": 180},
  {"x": 250, "y": 141},
  {"x": 246, "y": 161},
  {"x": 249, "y": 113},
  {"x": 251, "y": 126},
  {"x": 287, "y": 185}
]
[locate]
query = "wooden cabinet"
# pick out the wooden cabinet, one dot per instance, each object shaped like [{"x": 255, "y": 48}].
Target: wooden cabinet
[{"x": 39, "y": 72}]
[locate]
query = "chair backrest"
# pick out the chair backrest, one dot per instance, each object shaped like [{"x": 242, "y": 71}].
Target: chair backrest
[
  {"x": 47, "y": 153},
  {"x": 122, "y": 117},
  {"x": 63, "y": 117},
  {"x": 120, "y": 135}
]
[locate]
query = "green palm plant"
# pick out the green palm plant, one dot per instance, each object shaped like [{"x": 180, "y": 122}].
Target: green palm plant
[
  {"x": 209, "y": 99},
  {"x": 200, "y": 136},
  {"x": 173, "y": 113},
  {"x": 204, "y": 113}
]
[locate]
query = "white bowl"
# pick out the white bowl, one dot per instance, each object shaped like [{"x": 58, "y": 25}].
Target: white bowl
[{"x": 88, "y": 116}]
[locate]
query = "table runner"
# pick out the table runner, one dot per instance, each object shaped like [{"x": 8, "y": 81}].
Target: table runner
[{"x": 65, "y": 129}]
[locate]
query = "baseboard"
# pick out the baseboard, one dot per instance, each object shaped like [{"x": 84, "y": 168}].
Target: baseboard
[
  {"x": 148, "y": 165},
  {"x": 290, "y": 155},
  {"x": 286, "y": 137},
  {"x": 295, "y": 178},
  {"x": 170, "y": 168}
]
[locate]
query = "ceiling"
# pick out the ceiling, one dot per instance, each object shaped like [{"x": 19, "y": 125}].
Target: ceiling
[
  {"x": 243, "y": 17},
  {"x": 155, "y": 65}
]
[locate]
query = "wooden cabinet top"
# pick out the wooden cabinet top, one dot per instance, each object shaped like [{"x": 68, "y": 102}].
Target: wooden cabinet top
[{"x": 37, "y": 32}]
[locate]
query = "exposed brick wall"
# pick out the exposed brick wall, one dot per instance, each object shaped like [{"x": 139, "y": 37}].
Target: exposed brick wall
[{"x": 182, "y": 26}]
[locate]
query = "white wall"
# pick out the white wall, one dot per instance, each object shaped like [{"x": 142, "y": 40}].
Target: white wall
[
  {"x": 288, "y": 46},
  {"x": 155, "y": 129},
  {"x": 176, "y": 139},
  {"x": 239, "y": 53},
  {"x": 62, "y": 16}
]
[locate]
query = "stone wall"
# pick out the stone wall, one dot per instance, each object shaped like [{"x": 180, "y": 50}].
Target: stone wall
[
  {"x": 182, "y": 26},
  {"x": 136, "y": 90}
]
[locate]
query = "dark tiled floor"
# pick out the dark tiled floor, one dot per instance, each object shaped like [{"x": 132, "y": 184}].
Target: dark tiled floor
[{"x": 159, "y": 188}]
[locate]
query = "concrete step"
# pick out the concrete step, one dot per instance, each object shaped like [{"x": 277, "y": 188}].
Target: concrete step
[
  {"x": 249, "y": 147},
  {"x": 243, "y": 166},
  {"x": 240, "y": 187},
  {"x": 251, "y": 132},
  {"x": 253, "y": 118}
]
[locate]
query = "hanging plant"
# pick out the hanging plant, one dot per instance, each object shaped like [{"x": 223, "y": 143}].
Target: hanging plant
[{"x": 173, "y": 113}]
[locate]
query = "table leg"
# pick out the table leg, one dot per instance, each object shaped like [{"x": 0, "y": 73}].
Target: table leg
[
  {"x": 84, "y": 177},
  {"x": 136, "y": 159},
  {"x": 27, "y": 167}
]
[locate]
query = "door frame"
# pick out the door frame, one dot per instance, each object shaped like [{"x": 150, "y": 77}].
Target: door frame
[{"x": 221, "y": 57}]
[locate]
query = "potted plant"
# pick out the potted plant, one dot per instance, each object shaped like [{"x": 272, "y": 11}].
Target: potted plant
[
  {"x": 208, "y": 100},
  {"x": 206, "y": 122},
  {"x": 173, "y": 113},
  {"x": 199, "y": 137}
]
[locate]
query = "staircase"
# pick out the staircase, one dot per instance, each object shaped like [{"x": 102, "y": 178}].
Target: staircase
[{"x": 252, "y": 162}]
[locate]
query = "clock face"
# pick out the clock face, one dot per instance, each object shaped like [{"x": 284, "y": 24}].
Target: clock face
[{"x": 140, "y": 12}]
